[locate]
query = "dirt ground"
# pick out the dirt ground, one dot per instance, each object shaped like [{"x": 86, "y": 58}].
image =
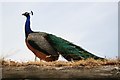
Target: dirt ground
[{"x": 32, "y": 72}]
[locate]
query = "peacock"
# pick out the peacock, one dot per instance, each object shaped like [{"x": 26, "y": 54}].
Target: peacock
[{"x": 48, "y": 47}]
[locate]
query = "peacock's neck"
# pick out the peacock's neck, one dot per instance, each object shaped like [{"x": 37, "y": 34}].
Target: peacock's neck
[{"x": 27, "y": 27}]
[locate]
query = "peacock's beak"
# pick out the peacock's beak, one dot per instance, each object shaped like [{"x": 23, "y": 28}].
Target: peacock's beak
[{"x": 23, "y": 14}]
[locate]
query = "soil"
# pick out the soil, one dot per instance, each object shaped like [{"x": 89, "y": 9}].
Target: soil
[{"x": 34, "y": 72}]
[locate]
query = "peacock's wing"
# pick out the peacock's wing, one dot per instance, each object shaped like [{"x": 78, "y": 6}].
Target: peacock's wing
[
  {"x": 38, "y": 41},
  {"x": 67, "y": 49}
]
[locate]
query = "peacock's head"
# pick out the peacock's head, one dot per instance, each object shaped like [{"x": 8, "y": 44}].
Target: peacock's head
[{"x": 27, "y": 14}]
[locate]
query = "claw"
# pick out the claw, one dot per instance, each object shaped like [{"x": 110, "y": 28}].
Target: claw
[{"x": 48, "y": 56}]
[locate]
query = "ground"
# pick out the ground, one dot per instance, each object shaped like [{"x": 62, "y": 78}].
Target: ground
[{"x": 89, "y": 69}]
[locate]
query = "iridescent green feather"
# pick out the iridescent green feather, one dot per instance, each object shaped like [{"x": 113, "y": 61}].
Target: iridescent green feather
[{"x": 68, "y": 49}]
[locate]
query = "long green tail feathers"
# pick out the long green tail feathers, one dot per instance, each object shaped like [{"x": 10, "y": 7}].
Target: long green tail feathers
[{"x": 68, "y": 50}]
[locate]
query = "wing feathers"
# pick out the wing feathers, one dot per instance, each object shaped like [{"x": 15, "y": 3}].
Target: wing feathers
[{"x": 38, "y": 41}]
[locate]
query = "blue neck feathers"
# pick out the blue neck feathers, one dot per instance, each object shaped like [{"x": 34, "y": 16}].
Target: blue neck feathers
[{"x": 27, "y": 27}]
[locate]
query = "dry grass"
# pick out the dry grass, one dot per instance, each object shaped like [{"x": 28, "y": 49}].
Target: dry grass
[{"x": 89, "y": 63}]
